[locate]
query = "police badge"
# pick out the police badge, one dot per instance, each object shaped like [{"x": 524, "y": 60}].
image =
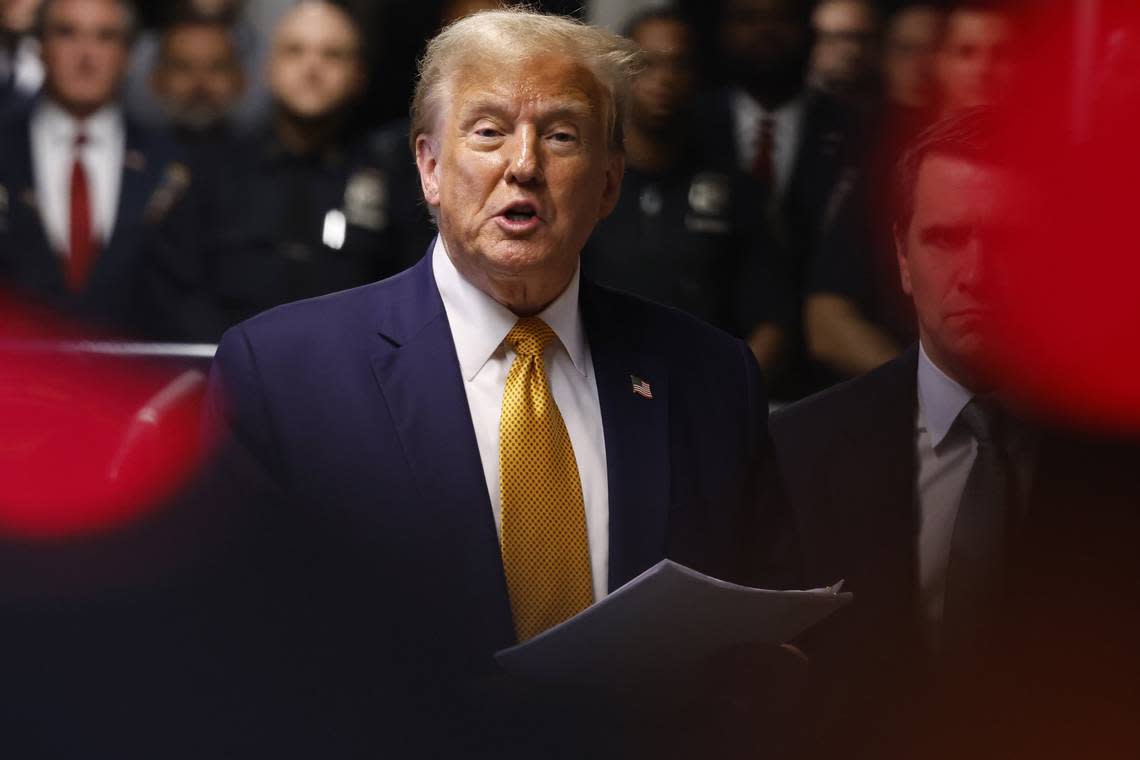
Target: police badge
[
  {"x": 366, "y": 200},
  {"x": 174, "y": 183},
  {"x": 651, "y": 201},
  {"x": 710, "y": 197}
]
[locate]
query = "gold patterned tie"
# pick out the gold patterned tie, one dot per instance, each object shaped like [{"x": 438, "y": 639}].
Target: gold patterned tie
[{"x": 546, "y": 555}]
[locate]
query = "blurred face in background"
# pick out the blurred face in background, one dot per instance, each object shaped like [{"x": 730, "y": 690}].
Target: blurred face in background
[
  {"x": 215, "y": 9},
  {"x": 457, "y": 9},
  {"x": 315, "y": 69},
  {"x": 85, "y": 46},
  {"x": 667, "y": 86},
  {"x": 908, "y": 55},
  {"x": 765, "y": 43},
  {"x": 18, "y": 16},
  {"x": 198, "y": 77},
  {"x": 846, "y": 45},
  {"x": 974, "y": 63}
]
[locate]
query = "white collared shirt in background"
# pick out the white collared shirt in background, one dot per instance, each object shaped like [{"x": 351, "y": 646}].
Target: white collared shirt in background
[
  {"x": 787, "y": 119},
  {"x": 53, "y": 133},
  {"x": 479, "y": 326}
]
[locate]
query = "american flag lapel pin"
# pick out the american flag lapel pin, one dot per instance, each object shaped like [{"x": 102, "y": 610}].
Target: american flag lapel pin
[{"x": 640, "y": 387}]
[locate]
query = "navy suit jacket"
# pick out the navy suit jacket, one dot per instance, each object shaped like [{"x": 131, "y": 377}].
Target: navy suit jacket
[
  {"x": 351, "y": 410},
  {"x": 153, "y": 179}
]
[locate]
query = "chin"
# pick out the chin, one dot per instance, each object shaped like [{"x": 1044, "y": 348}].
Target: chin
[
  {"x": 517, "y": 259},
  {"x": 310, "y": 110}
]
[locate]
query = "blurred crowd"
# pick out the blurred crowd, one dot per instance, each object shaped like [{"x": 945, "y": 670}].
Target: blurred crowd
[{"x": 169, "y": 169}]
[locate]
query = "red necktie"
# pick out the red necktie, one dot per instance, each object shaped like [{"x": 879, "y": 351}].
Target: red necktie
[
  {"x": 762, "y": 167},
  {"x": 82, "y": 242}
]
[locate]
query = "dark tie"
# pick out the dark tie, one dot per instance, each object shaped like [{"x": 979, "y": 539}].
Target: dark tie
[
  {"x": 81, "y": 249},
  {"x": 763, "y": 168},
  {"x": 975, "y": 573}
]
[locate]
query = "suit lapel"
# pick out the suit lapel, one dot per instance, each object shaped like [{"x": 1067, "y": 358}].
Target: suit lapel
[
  {"x": 418, "y": 375},
  {"x": 137, "y": 179},
  {"x": 636, "y": 437},
  {"x": 888, "y": 521}
]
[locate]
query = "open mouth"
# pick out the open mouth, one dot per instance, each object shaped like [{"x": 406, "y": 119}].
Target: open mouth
[
  {"x": 519, "y": 218},
  {"x": 520, "y": 215},
  {"x": 520, "y": 212}
]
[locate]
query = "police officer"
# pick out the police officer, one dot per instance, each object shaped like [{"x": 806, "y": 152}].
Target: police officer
[
  {"x": 297, "y": 212},
  {"x": 684, "y": 234}
]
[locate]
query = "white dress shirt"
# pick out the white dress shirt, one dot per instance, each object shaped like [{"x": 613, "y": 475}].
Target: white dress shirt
[
  {"x": 53, "y": 133},
  {"x": 747, "y": 115},
  {"x": 479, "y": 326},
  {"x": 946, "y": 453}
]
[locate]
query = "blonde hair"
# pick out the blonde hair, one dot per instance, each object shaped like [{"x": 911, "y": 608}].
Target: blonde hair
[{"x": 517, "y": 33}]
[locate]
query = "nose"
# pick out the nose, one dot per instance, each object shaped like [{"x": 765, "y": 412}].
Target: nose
[
  {"x": 524, "y": 166},
  {"x": 973, "y": 274}
]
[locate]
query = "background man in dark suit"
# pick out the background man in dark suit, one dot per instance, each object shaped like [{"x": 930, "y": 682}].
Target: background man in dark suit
[
  {"x": 82, "y": 185},
  {"x": 393, "y": 421},
  {"x": 794, "y": 140},
  {"x": 961, "y": 526}
]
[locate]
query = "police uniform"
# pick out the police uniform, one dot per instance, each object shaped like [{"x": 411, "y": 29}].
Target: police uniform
[
  {"x": 691, "y": 238},
  {"x": 269, "y": 227}
]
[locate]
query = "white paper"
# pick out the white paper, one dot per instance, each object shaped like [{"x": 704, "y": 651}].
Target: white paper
[{"x": 663, "y": 620}]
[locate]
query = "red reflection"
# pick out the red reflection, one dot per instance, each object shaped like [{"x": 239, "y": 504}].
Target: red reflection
[
  {"x": 88, "y": 441},
  {"x": 1068, "y": 340}
]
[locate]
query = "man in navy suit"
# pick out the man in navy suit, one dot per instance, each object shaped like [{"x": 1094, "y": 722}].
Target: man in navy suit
[
  {"x": 81, "y": 187},
  {"x": 373, "y": 415},
  {"x": 994, "y": 583}
]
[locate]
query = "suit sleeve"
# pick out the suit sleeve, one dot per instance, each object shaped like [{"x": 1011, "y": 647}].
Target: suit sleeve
[
  {"x": 244, "y": 481},
  {"x": 236, "y": 410}
]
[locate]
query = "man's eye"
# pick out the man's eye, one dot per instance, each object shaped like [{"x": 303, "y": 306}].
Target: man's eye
[
  {"x": 487, "y": 132},
  {"x": 563, "y": 137},
  {"x": 948, "y": 238}
]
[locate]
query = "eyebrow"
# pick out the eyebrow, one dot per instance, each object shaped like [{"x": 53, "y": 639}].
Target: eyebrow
[
  {"x": 928, "y": 231},
  {"x": 492, "y": 106}
]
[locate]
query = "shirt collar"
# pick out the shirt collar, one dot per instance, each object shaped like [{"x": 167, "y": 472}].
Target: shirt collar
[
  {"x": 746, "y": 104},
  {"x": 102, "y": 126},
  {"x": 479, "y": 323},
  {"x": 940, "y": 398}
]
